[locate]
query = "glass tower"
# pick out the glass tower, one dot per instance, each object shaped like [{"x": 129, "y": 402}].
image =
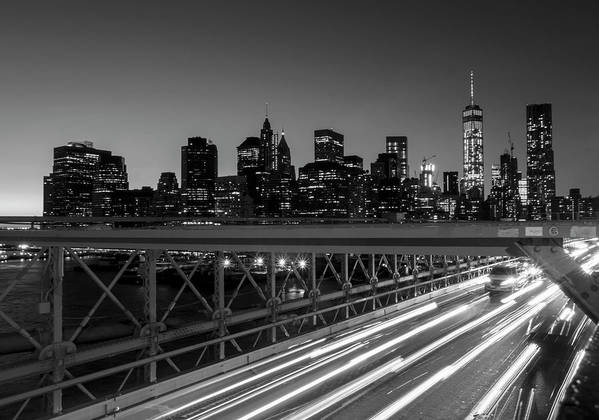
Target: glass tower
[
  {"x": 540, "y": 171},
  {"x": 472, "y": 124}
]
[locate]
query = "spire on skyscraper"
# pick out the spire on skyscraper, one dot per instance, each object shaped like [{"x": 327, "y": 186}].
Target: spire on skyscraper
[
  {"x": 266, "y": 125},
  {"x": 471, "y": 87}
]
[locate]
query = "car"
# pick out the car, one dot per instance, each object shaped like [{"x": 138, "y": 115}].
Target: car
[{"x": 511, "y": 276}]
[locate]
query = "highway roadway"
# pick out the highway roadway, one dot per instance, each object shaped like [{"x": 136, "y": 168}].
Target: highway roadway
[{"x": 467, "y": 354}]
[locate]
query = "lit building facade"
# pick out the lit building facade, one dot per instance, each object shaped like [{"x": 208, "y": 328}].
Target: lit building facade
[
  {"x": 540, "y": 171},
  {"x": 523, "y": 192},
  {"x": 232, "y": 197},
  {"x": 248, "y": 156},
  {"x": 398, "y": 145},
  {"x": 510, "y": 196},
  {"x": 83, "y": 181},
  {"x": 198, "y": 174},
  {"x": 167, "y": 199},
  {"x": 472, "y": 128},
  {"x": 427, "y": 173},
  {"x": 323, "y": 190},
  {"x": 451, "y": 183},
  {"x": 134, "y": 203},
  {"x": 328, "y": 146},
  {"x": 111, "y": 176},
  {"x": 472, "y": 187},
  {"x": 267, "y": 147}
]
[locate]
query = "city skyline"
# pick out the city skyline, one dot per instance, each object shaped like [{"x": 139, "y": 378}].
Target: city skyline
[{"x": 366, "y": 97}]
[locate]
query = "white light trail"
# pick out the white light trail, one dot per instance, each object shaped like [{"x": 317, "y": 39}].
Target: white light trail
[
  {"x": 566, "y": 314},
  {"x": 347, "y": 341},
  {"x": 590, "y": 265},
  {"x": 392, "y": 366},
  {"x": 246, "y": 396},
  {"x": 565, "y": 383},
  {"x": 522, "y": 291},
  {"x": 373, "y": 330},
  {"x": 353, "y": 362},
  {"x": 507, "y": 379},
  {"x": 545, "y": 294},
  {"x": 448, "y": 371}
]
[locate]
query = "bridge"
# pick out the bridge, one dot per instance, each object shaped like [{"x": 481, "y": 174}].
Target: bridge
[{"x": 271, "y": 287}]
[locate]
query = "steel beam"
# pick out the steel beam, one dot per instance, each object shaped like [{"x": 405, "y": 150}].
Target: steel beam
[
  {"x": 581, "y": 287},
  {"x": 422, "y": 239}
]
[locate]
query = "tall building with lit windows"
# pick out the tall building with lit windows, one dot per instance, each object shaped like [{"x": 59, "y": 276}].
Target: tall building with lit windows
[
  {"x": 83, "y": 181},
  {"x": 198, "y": 174},
  {"x": 328, "y": 146},
  {"x": 473, "y": 180},
  {"x": 267, "y": 146},
  {"x": 398, "y": 145},
  {"x": 248, "y": 156},
  {"x": 111, "y": 176},
  {"x": 540, "y": 171},
  {"x": 167, "y": 200}
]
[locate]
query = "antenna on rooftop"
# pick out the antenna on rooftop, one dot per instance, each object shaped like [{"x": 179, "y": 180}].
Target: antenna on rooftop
[{"x": 471, "y": 87}]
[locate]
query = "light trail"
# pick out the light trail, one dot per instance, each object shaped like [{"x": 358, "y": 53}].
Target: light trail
[
  {"x": 565, "y": 383},
  {"x": 373, "y": 330},
  {"x": 392, "y": 366},
  {"x": 352, "y": 363},
  {"x": 553, "y": 289},
  {"x": 448, "y": 371},
  {"x": 240, "y": 399},
  {"x": 490, "y": 400},
  {"x": 347, "y": 341},
  {"x": 522, "y": 291}
]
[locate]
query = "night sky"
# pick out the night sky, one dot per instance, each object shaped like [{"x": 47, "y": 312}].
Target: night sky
[{"x": 138, "y": 78}]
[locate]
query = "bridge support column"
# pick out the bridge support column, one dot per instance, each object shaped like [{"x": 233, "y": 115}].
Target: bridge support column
[
  {"x": 314, "y": 292},
  {"x": 346, "y": 283},
  {"x": 431, "y": 268},
  {"x": 219, "y": 290},
  {"x": 150, "y": 310},
  {"x": 55, "y": 348},
  {"x": 445, "y": 270},
  {"x": 373, "y": 278},
  {"x": 272, "y": 279}
]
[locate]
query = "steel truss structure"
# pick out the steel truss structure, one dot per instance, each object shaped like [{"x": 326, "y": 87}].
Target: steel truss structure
[
  {"x": 62, "y": 373},
  {"x": 246, "y": 288}
]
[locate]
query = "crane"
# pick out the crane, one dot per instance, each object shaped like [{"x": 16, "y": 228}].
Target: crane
[{"x": 426, "y": 159}]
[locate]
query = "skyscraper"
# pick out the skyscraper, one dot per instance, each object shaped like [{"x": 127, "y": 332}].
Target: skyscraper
[
  {"x": 198, "y": 173},
  {"x": 167, "y": 200},
  {"x": 399, "y": 146},
  {"x": 323, "y": 189},
  {"x": 328, "y": 146},
  {"x": 284, "y": 165},
  {"x": 248, "y": 156},
  {"x": 276, "y": 188},
  {"x": 232, "y": 197},
  {"x": 267, "y": 145},
  {"x": 540, "y": 171},
  {"x": 427, "y": 171},
  {"x": 472, "y": 124},
  {"x": 450, "y": 183},
  {"x": 83, "y": 181},
  {"x": 510, "y": 196},
  {"x": 111, "y": 176},
  {"x": 473, "y": 182}
]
